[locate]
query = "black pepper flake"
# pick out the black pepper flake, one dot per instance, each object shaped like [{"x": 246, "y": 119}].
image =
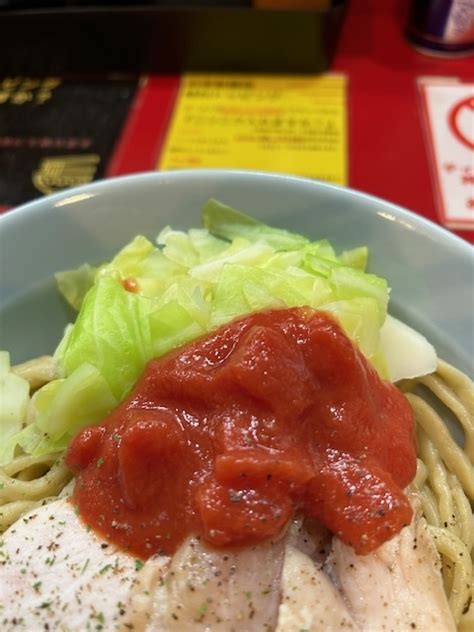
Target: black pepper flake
[{"x": 467, "y": 605}]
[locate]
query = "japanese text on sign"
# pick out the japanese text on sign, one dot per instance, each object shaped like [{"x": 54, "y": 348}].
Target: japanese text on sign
[
  {"x": 284, "y": 124},
  {"x": 20, "y": 90}
]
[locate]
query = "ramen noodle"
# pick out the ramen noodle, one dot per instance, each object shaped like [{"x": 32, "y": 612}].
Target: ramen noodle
[{"x": 444, "y": 480}]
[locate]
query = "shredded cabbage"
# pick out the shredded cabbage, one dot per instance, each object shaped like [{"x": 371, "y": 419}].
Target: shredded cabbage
[
  {"x": 151, "y": 298},
  {"x": 14, "y": 398}
]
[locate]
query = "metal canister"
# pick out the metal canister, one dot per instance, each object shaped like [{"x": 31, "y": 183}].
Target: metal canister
[{"x": 442, "y": 27}]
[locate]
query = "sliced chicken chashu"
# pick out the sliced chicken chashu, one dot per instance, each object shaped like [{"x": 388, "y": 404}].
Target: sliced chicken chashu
[
  {"x": 309, "y": 600},
  {"x": 57, "y": 575},
  {"x": 205, "y": 589},
  {"x": 397, "y": 587}
]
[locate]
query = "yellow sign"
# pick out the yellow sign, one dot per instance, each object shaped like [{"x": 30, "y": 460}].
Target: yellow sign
[{"x": 285, "y": 124}]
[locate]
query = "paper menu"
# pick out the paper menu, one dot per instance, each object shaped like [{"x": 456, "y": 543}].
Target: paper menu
[
  {"x": 448, "y": 109},
  {"x": 285, "y": 124}
]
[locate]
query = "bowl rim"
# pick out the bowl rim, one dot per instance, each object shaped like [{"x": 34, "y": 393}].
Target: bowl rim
[{"x": 417, "y": 221}]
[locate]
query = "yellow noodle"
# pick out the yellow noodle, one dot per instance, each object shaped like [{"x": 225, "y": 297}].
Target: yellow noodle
[
  {"x": 450, "y": 452},
  {"x": 456, "y": 551},
  {"x": 13, "y": 511},
  {"x": 32, "y": 473},
  {"x": 459, "y": 382},
  {"x": 38, "y": 371},
  {"x": 48, "y": 485},
  {"x": 461, "y": 410},
  {"x": 465, "y": 520},
  {"x": 421, "y": 473},
  {"x": 24, "y": 461},
  {"x": 440, "y": 493},
  {"x": 430, "y": 507},
  {"x": 447, "y": 481},
  {"x": 466, "y": 623},
  {"x": 437, "y": 478}
]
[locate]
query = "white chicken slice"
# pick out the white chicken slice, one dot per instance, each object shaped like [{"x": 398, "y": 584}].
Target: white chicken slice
[
  {"x": 311, "y": 538},
  {"x": 55, "y": 574},
  {"x": 205, "y": 589},
  {"x": 398, "y": 586},
  {"x": 309, "y": 600}
]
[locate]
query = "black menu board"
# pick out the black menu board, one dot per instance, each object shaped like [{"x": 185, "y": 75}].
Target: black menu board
[{"x": 57, "y": 133}]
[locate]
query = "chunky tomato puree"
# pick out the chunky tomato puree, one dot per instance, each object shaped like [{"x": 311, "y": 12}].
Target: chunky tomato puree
[{"x": 230, "y": 436}]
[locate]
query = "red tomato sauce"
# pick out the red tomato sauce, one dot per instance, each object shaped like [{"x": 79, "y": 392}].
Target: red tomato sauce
[
  {"x": 228, "y": 437},
  {"x": 130, "y": 284}
]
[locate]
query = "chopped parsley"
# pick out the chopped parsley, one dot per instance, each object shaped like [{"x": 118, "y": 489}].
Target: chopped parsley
[
  {"x": 85, "y": 566},
  {"x": 105, "y": 569}
]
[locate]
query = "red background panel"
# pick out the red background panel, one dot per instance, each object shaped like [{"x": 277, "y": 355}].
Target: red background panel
[
  {"x": 146, "y": 126},
  {"x": 388, "y": 156}
]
